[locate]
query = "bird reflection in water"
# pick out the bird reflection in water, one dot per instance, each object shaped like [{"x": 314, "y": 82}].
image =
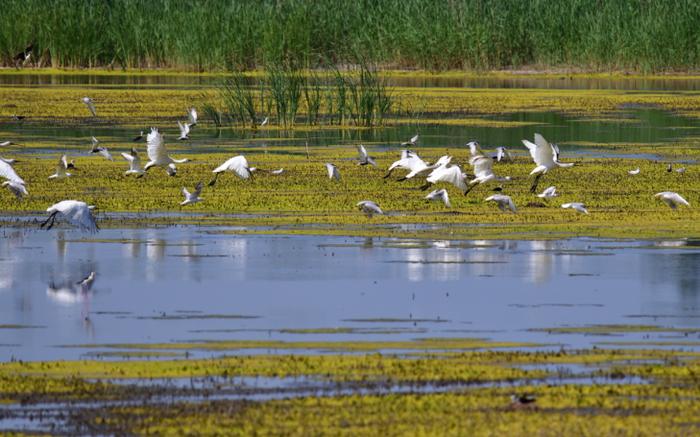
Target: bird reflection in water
[{"x": 75, "y": 292}]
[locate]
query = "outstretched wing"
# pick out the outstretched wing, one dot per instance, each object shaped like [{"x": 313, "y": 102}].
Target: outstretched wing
[
  {"x": 155, "y": 146},
  {"x": 82, "y": 217},
  {"x": 482, "y": 165},
  {"x": 9, "y": 173}
]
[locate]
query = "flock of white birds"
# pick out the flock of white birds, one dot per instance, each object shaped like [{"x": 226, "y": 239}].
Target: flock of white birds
[{"x": 544, "y": 154}]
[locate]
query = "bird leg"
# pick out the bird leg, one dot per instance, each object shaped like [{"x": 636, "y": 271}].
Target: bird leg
[
  {"x": 387, "y": 175},
  {"x": 533, "y": 187},
  {"x": 51, "y": 219},
  {"x": 469, "y": 188},
  {"x": 425, "y": 186},
  {"x": 213, "y": 181},
  {"x": 401, "y": 179}
]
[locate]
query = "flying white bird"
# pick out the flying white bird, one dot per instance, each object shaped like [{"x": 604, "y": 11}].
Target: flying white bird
[
  {"x": 364, "y": 157},
  {"x": 333, "y": 172},
  {"x": 545, "y": 155},
  {"x": 634, "y": 172},
  {"x": 158, "y": 154},
  {"x": 483, "y": 167},
  {"x": 184, "y": 130},
  {"x": 96, "y": 148},
  {"x": 192, "y": 116},
  {"x": 671, "y": 199},
  {"x": 134, "y": 162},
  {"x": 420, "y": 167},
  {"x": 406, "y": 162},
  {"x": 62, "y": 168},
  {"x": 504, "y": 202},
  {"x": 441, "y": 195},
  {"x": 14, "y": 183},
  {"x": 6, "y": 143},
  {"x": 237, "y": 164},
  {"x": 265, "y": 121},
  {"x": 192, "y": 197},
  {"x": 578, "y": 206},
  {"x": 369, "y": 208},
  {"x": 452, "y": 175},
  {"x": 412, "y": 142},
  {"x": 502, "y": 155},
  {"x": 548, "y": 193},
  {"x": 90, "y": 105},
  {"x": 76, "y": 212}
]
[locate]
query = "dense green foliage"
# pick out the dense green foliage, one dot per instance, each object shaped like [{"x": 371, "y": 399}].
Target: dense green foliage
[{"x": 614, "y": 34}]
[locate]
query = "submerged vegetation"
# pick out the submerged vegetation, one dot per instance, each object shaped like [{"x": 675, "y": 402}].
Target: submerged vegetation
[{"x": 477, "y": 34}]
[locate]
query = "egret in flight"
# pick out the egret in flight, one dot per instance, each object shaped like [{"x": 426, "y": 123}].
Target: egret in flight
[
  {"x": 134, "y": 162},
  {"x": 14, "y": 183},
  {"x": 364, "y": 157},
  {"x": 62, "y": 168},
  {"x": 237, "y": 164},
  {"x": 184, "y": 130},
  {"x": 96, "y": 148},
  {"x": 412, "y": 142},
  {"x": 504, "y": 202},
  {"x": 671, "y": 199},
  {"x": 548, "y": 193},
  {"x": 192, "y": 197},
  {"x": 452, "y": 175},
  {"x": 502, "y": 155},
  {"x": 77, "y": 213},
  {"x": 333, "y": 172},
  {"x": 90, "y": 105},
  {"x": 578, "y": 206},
  {"x": 634, "y": 172},
  {"x": 158, "y": 154},
  {"x": 440, "y": 195},
  {"x": 483, "y": 167},
  {"x": 545, "y": 155},
  {"x": 192, "y": 116},
  {"x": 369, "y": 208}
]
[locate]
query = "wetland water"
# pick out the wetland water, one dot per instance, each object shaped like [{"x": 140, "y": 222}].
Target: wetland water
[{"x": 192, "y": 283}]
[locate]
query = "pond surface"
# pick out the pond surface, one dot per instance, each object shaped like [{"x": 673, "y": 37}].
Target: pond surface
[{"x": 193, "y": 283}]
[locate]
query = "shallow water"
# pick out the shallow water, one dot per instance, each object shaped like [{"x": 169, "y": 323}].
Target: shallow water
[{"x": 188, "y": 283}]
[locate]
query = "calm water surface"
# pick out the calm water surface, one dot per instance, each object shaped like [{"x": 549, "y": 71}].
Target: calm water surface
[{"x": 490, "y": 289}]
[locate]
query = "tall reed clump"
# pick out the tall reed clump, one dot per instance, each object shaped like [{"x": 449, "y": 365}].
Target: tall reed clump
[
  {"x": 286, "y": 86},
  {"x": 239, "y": 99},
  {"x": 643, "y": 35}
]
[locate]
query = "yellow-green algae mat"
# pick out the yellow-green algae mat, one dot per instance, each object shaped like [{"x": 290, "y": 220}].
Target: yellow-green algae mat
[
  {"x": 643, "y": 392},
  {"x": 303, "y": 199}
]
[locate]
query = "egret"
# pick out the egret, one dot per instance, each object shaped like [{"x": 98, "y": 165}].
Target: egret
[
  {"x": 545, "y": 155},
  {"x": 14, "y": 183},
  {"x": 483, "y": 167},
  {"x": 578, "y": 206},
  {"x": 504, "y": 202},
  {"x": 277, "y": 172},
  {"x": 264, "y": 122},
  {"x": 369, "y": 208},
  {"x": 62, "y": 168},
  {"x": 78, "y": 213},
  {"x": 96, "y": 148},
  {"x": 134, "y": 162},
  {"x": 548, "y": 193},
  {"x": 192, "y": 197},
  {"x": 412, "y": 142},
  {"x": 420, "y": 167},
  {"x": 237, "y": 164},
  {"x": 502, "y": 155},
  {"x": 452, "y": 174},
  {"x": 333, "y": 172},
  {"x": 364, "y": 157},
  {"x": 138, "y": 137},
  {"x": 158, "y": 154},
  {"x": 440, "y": 195},
  {"x": 192, "y": 116},
  {"x": 405, "y": 162},
  {"x": 6, "y": 143},
  {"x": 90, "y": 105},
  {"x": 184, "y": 130},
  {"x": 671, "y": 199},
  {"x": 633, "y": 172}
]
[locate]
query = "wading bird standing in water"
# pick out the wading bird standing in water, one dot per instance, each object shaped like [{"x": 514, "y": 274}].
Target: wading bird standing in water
[
  {"x": 545, "y": 155},
  {"x": 237, "y": 164},
  {"x": 90, "y": 105},
  {"x": 158, "y": 154},
  {"x": 77, "y": 213}
]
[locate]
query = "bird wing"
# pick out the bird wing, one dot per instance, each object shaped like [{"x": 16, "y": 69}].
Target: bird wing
[
  {"x": 78, "y": 214},
  {"x": 192, "y": 116},
  {"x": 332, "y": 171},
  {"x": 91, "y": 106},
  {"x": 475, "y": 149},
  {"x": 414, "y": 140},
  {"x": 239, "y": 165},
  {"x": 482, "y": 165},
  {"x": 363, "y": 152},
  {"x": 9, "y": 173},
  {"x": 452, "y": 175},
  {"x": 198, "y": 189},
  {"x": 95, "y": 141},
  {"x": 155, "y": 147},
  {"x": 186, "y": 193},
  {"x": 183, "y": 128},
  {"x": 104, "y": 152},
  {"x": 676, "y": 198}
]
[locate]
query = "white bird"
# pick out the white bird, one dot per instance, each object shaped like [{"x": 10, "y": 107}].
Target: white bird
[
  {"x": 452, "y": 174},
  {"x": 545, "y": 155},
  {"x": 333, "y": 172},
  {"x": 76, "y": 212},
  {"x": 441, "y": 195},
  {"x": 184, "y": 130},
  {"x": 578, "y": 206},
  {"x": 409, "y": 161},
  {"x": 412, "y": 142},
  {"x": 134, "y": 162},
  {"x": 504, "y": 202},
  {"x": 16, "y": 188},
  {"x": 502, "y": 154},
  {"x": 237, "y": 164},
  {"x": 6, "y": 143},
  {"x": 192, "y": 197},
  {"x": 158, "y": 154},
  {"x": 420, "y": 167},
  {"x": 62, "y": 168},
  {"x": 90, "y": 105},
  {"x": 14, "y": 183},
  {"x": 680, "y": 170},
  {"x": 634, "y": 172},
  {"x": 192, "y": 116},
  {"x": 277, "y": 172},
  {"x": 96, "y": 148},
  {"x": 369, "y": 208},
  {"x": 671, "y": 199},
  {"x": 265, "y": 121},
  {"x": 548, "y": 193},
  {"x": 483, "y": 167},
  {"x": 364, "y": 157}
]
